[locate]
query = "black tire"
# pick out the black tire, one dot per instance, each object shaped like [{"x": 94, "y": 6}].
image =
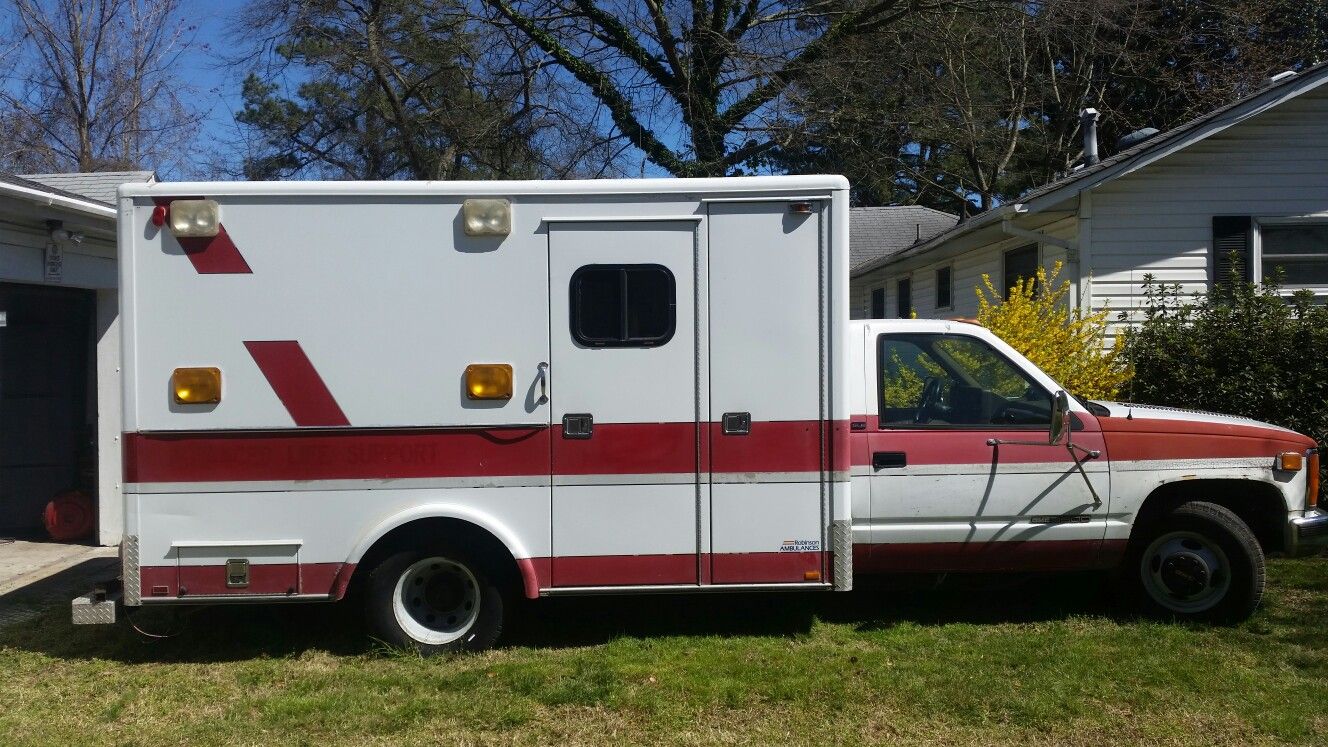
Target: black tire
[
  {"x": 436, "y": 620},
  {"x": 1198, "y": 562}
]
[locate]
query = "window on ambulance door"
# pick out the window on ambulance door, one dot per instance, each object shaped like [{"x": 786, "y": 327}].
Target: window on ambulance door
[
  {"x": 943, "y": 380},
  {"x": 623, "y": 306}
]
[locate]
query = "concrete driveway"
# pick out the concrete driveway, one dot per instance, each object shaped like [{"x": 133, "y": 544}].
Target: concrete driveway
[{"x": 37, "y": 575}]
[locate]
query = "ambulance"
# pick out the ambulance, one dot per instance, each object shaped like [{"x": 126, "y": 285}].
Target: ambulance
[{"x": 448, "y": 395}]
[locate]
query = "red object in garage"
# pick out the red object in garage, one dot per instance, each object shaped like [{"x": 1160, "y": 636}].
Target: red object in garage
[{"x": 70, "y": 516}]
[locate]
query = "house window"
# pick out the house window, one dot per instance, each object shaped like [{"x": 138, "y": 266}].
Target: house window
[
  {"x": 1299, "y": 250},
  {"x": 944, "y": 288},
  {"x": 622, "y": 306},
  {"x": 1020, "y": 264},
  {"x": 904, "y": 299},
  {"x": 878, "y": 303}
]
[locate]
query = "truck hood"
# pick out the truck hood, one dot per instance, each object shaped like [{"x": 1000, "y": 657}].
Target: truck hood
[{"x": 1198, "y": 420}]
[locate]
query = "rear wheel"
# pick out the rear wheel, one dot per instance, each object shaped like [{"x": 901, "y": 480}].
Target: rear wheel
[
  {"x": 435, "y": 602},
  {"x": 1199, "y": 562}
]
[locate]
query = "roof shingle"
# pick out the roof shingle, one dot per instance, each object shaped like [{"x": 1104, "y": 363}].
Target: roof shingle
[
  {"x": 877, "y": 232},
  {"x": 99, "y": 186}
]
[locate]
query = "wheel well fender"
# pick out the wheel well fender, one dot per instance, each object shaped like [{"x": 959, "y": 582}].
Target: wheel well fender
[
  {"x": 1259, "y": 504},
  {"x": 434, "y": 520}
]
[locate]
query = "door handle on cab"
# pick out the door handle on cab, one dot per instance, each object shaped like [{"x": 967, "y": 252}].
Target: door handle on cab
[{"x": 889, "y": 459}]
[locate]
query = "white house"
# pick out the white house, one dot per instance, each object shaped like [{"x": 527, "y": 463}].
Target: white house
[
  {"x": 1251, "y": 177},
  {"x": 59, "y": 347},
  {"x": 877, "y": 233}
]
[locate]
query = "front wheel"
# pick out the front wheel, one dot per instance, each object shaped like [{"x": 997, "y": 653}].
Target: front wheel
[
  {"x": 1199, "y": 562},
  {"x": 434, "y": 602}
]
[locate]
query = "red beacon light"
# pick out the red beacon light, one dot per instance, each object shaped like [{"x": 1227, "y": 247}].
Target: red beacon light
[{"x": 159, "y": 215}]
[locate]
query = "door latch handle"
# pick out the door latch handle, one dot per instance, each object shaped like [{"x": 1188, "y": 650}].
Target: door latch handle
[
  {"x": 543, "y": 373},
  {"x": 578, "y": 425},
  {"x": 889, "y": 459},
  {"x": 737, "y": 423}
]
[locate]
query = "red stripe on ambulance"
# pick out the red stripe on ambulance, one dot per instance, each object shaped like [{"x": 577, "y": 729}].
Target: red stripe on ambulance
[
  {"x": 1119, "y": 439},
  {"x": 332, "y": 579},
  {"x": 214, "y": 255},
  {"x": 335, "y": 455},
  {"x": 296, "y": 382},
  {"x": 1141, "y": 439},
  {"x": 635, "y": 448},
  {"x": 264, "y": 578}
]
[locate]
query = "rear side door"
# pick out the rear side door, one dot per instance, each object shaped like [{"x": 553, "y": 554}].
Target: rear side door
[
  {"x": 768, "y": 435},
  {"x": 946, "y": 494},
  {"x": 623, "y": 394}
]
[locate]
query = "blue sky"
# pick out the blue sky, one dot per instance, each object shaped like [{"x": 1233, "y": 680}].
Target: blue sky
[
  {"x": 215, "y": 84},
  {"x": 207, "y": 71}
]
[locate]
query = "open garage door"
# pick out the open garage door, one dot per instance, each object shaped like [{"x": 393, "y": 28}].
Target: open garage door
[{"x": 46, "y": 431}]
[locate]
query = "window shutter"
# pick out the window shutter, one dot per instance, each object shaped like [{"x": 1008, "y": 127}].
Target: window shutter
[
  {"x": 878, "y": 303},
  {"x": 1232, "y": 233},
  {"x": 904, "y": 302}
]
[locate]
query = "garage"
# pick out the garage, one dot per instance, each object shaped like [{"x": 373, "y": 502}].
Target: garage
[{"x": 59, "y": 355}]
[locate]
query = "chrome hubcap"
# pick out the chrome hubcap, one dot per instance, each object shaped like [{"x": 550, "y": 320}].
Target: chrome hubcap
[{"x": 1185, "y": 572}]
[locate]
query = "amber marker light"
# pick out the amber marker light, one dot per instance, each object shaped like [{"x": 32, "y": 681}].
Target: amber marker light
[
  {"x": 196, "y": 386},
  {"x": 1290, "y": 461},
  {"x": 489, "y": 381},
  {"x": 1312, "y": 481}
]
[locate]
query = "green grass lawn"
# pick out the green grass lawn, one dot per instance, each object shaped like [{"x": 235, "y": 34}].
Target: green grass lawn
[{"x": 1045, "y": 661}]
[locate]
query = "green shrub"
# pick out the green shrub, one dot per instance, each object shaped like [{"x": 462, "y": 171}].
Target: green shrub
[{"x": 1244, "y": 349}]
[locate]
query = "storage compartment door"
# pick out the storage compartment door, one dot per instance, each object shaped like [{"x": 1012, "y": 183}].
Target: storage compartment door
[
  {"x": 256, "y": 568},
  {"x": 767, "y": 372}
]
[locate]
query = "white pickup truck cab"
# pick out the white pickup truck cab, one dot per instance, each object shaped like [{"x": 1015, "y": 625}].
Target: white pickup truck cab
[{"x": 967, "y": 457}]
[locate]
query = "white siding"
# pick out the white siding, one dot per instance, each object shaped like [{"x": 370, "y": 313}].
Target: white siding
[
  {"x": 966, "y": 276},
  {"x": 22, "y": 256},
  {"x": 1159, "y": 219}
]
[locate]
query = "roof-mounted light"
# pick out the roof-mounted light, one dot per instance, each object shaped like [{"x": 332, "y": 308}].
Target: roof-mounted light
[
  {"x": 191, "y": 218},
  {"x": 486, "y": 217}
]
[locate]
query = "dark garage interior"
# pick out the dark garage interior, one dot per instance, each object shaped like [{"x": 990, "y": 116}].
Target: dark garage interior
[{"x": 47, "y": 401}]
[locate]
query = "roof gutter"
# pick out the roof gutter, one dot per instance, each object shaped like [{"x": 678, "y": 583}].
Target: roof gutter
[{"x": 46, "y": 199}]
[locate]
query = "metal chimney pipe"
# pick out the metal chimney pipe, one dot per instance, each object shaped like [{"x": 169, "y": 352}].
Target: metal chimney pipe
[{"x": 1088, "y": 122}]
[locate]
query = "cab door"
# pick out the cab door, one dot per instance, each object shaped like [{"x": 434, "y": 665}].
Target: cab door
[
  {"x": 623, "y": 403},
  {"x": 946, "y": 493}
]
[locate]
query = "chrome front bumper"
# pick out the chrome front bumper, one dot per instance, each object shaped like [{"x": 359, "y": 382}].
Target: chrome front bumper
[{"x": 1307, "y": 534}]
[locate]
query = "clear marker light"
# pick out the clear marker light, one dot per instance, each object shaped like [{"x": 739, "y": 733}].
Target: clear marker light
[
  {"x": 190, "y": 218},
  {"x": 486, "y": 217}
]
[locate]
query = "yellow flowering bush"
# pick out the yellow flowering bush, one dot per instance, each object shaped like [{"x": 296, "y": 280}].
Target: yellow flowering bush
[{"x": 1065, "y": 343}]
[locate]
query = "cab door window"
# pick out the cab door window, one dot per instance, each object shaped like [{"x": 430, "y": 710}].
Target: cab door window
[{"x": 954, "y": 381}]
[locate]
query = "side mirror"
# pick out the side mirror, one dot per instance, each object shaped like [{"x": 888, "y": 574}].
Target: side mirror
[{"x": 1060, "y": 418}]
